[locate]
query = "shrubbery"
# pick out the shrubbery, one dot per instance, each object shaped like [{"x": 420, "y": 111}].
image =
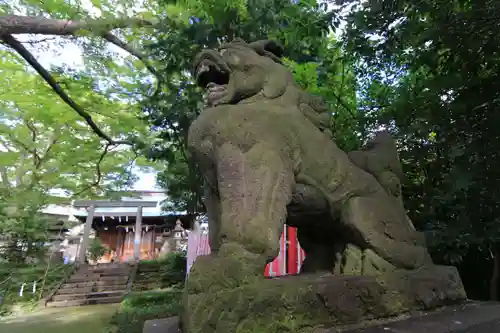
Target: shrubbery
[
  {"x": 12, "y": 276},
  {"x": 96, "y": 250},
  {"x": 165, "y": 272}
]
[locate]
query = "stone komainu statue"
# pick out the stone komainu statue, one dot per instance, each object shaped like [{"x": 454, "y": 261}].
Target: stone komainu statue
[
  {"x": 268, "y": 158},
  {"x": 263, "y": 153}
]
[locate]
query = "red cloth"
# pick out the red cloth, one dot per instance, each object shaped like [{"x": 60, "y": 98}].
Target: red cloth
[{"x": 288, "y": 261}]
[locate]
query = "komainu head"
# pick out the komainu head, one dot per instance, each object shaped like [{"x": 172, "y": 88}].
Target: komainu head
[{"x": 238, "y": 70}]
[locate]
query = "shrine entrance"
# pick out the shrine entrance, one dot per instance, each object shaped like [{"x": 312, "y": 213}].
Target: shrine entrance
[{"x": 125, "y": 234}]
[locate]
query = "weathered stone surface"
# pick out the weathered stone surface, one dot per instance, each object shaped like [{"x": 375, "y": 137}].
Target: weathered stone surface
[
  {"x": 165, "y": 325},
  {"x": 307, "y": 302}
]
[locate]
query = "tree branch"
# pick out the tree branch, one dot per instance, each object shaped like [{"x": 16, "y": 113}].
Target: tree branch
[
  {"x": 34, "y": 152},
  {"x": 52, "y": 141},
  {"x": 5, "y": 176},
  {"x": 44, "y": 40},
  {"x": 107, "y": 148},
  {"x": 127, "y": 47},
  {"x": 23, "y": 52},
  {"x": 16, "y": 24},
  {"x": 98, "y": 171}
]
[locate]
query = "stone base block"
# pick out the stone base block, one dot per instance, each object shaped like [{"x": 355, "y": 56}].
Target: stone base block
[{"x": 307, "y": 303}]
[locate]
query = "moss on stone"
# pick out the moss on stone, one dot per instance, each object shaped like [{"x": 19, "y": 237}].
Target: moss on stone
[{"x": 304, "y": 303}]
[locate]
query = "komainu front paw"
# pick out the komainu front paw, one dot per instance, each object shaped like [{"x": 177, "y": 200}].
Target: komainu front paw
[
  {"x": 230, "y": 268},
  {"x": 355, "y": 261}
]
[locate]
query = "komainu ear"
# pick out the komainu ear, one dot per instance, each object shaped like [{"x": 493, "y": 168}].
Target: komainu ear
[{"x": 268, "y": 48}]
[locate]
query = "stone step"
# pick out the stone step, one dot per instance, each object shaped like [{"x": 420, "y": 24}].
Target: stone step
[
  {"x": 100, "y": 278},
  {"x": 83, "y": 284},
  {"x": 92, "y": 301},
  {"x": 81, "y": 290},
  {"x": 105, "y": 266},
  {"x": 166, "y": 325},
  {"x": 107, "y": 271},
  {"x": 91, "y": 295},
  {"x": 89, "y": 289},
  {"x": 79, "y": 276},
  {"x": 116, "y": 272}
]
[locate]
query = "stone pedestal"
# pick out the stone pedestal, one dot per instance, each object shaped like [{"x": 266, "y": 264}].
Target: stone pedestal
[{"x": 306, "y": 303}]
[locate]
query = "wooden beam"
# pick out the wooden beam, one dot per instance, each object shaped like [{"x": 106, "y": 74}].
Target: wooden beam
[
  {"x": 112, "y": 204},
  {"x": 125, "y": 214}
]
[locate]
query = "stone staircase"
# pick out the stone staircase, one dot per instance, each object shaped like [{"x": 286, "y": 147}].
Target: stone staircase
[{"x": 94, "y": 284}]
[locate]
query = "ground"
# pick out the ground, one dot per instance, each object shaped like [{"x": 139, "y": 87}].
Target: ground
[{"x": 83, "y": 319}]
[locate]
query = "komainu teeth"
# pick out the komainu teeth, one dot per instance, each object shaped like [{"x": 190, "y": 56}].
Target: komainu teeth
[{"x": 203, "y": 68}]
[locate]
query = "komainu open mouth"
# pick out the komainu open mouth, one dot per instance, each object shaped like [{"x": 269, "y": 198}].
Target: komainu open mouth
[
  {"x": 208, "y": 71},
  {"x": 213, "y": 77}
]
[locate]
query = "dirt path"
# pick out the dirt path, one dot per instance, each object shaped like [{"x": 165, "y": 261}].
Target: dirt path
[{"x": 85, "y": 319}]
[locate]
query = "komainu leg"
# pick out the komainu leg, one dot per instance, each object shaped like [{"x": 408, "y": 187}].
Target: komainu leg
[
  {"x": 212, "y": 205},
  {"x": 388, "y": 234},
  {"x": 254, "y": 188}
]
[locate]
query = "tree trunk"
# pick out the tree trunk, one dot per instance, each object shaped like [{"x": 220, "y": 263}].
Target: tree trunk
[{"x": 495, "y": 275}]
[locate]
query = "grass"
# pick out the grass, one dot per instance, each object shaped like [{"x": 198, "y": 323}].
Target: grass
[{"x": 85, "y": 319}]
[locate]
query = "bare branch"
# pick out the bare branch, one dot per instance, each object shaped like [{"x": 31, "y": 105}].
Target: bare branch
[
  {"x": 16, "y": 24},
  {"x": 23, "y": 52},
  {"x": 43, "y": 40}
]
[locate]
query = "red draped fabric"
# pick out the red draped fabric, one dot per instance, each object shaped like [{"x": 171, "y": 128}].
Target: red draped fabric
[{"x": 288, "y": 261}]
